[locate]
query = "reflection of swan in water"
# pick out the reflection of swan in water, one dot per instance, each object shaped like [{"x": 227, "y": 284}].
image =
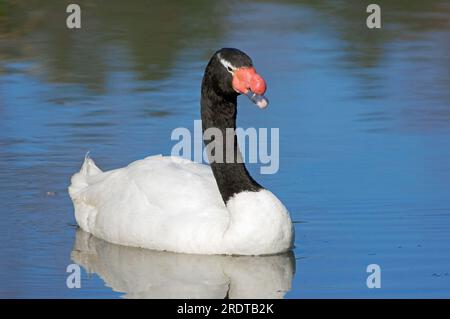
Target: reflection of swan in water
[{"x": 143, "y": 273}]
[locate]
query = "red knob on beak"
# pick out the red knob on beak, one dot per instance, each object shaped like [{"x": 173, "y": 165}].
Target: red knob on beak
[{"x": 245, "y": 79}]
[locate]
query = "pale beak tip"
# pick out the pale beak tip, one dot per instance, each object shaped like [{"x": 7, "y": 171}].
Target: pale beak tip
[
  {"x": 262, "y": 103},
  {"x": 260, "y": 100}
]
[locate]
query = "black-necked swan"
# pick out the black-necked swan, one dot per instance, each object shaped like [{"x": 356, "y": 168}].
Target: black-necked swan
[{"x": 170, "y": 203}]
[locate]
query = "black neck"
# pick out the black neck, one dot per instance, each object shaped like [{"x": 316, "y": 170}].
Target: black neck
[{"x": 219, "y": 111}]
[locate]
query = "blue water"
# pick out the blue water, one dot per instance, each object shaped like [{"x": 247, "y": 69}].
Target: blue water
[{"x": 364, "y": 119}]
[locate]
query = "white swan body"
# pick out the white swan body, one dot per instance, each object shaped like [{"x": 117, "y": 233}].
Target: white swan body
[{"x": 173, "y": 204}]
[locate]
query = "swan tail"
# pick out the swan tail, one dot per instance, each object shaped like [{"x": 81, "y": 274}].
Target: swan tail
[
  {"x": 79, "y": 180},
  {"x": 85, "y": 210},
  {"x": 89, "y": 168}
]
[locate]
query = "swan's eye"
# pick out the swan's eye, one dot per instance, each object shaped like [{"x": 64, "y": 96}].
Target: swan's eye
[{"x": 230, "y": 68}]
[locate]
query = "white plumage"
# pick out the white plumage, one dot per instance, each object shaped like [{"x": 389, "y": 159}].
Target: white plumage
[{"x": 173, "y": 204}]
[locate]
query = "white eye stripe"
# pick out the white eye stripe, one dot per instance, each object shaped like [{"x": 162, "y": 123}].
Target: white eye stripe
[{"x": 226, "y": 64}]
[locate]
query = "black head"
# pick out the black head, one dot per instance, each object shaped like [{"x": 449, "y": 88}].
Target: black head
[
  {"x": 230, "y": 72},
  {"x": 234, "y": 56}
]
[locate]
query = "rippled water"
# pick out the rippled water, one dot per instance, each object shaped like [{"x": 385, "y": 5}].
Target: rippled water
[{"x": 364, "y": 118}]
